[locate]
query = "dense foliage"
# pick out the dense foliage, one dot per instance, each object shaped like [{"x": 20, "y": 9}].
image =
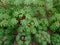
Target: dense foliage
[{"x": 30, "y": 22}]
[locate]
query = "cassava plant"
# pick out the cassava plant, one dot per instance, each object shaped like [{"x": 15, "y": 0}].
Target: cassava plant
[{"x": 30, "y": 22}]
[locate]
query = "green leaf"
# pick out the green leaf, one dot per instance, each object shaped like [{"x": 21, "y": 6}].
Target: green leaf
[
  {"x": 55, "y": 38},
  {"x": 18, "y": 2},
  {"x": 13, "y": 21},
  {"x": 49, "y": 4},
  {"x": 55, "y": 26},
  {"x": 1, "y": 31},
  {"x": 4, "y": 23},
  {"x": 27, "y": 2}
]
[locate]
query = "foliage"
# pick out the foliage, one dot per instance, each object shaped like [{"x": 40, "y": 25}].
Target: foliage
[
  {"x": 29, "y": 21},
  {"x": 42, "y": 38},
  {"x": 55, "y": 39}
]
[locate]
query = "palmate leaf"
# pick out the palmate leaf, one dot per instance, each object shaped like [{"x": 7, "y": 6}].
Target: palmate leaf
[
  {"x": 57, "y": 17},
  {"x": 28, "y": 12},
  {"x": 13, "y": 21},
  {"x": 20, "y": 43},
  {"x": 27, "y": 2},
  {"x": 28, "y": 38},
  {"x": 42, "y": 37},
  {"x": 43, "y": 25},
  {"x": 2, "y": 16},
  {"x": 55, "y": 26},
  {"x": 8, "y": 40},
  {"x": 42, "y": 10},
  {"x": 8, "y": 31},
  {"x": 18, "y": 37},
  {"x": 28, "y": 9},
  {"x": 55, "y": 39},
  {"x": 43, "y": 43},
  {"x": 38, "y": 2},
  {"x": 27, "y": 30},
  {"x": 1, "y": 31},
  {"x": 33, "y": 30},
  {"x": 44, "y": 22},
  {"x": 13, "y": 2},
  {"x": 4, "y": 13},
  {"x": 4, "y": 23},
  {"x": 1, "y": 34},
  {"x": 18, "y": 2},
  {"x": 8, "y": 43},
  {"x": 28, "y": 16},
  {"x": 25, "y": 22},
  {"x": 22, "y": 12},
  {"x": 17, "y": 11},
  {"x": 57, "y": 5},
  {"x": 36, "y": 23},
  {"x": 52, "y": 18},
  {"x": 10, "y": 2},
  {"x": 49, "y": 4},
  {"x": 21, "y": 29},
  {"x": 2, "y": 10}
]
